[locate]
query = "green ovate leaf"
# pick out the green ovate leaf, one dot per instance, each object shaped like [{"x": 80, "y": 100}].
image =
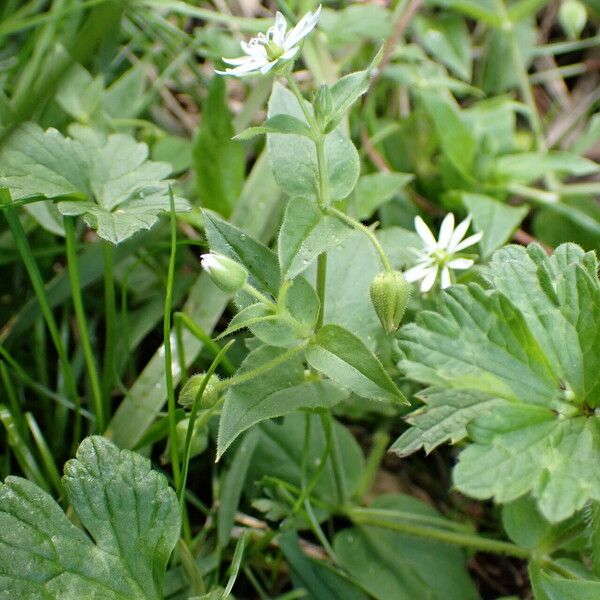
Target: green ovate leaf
[
  {"x": 277, "y": 124},
  {"x": 558, "y": 588},
  {"x": 374, "y": 190},
  {"x": 294, "y": 158},
  {"x": 283, "y": 391},
  {"x": 389, "y": 564},
  {"x": 219, "y": 161},
  {"x": 109, "y": 181},
  {"x": 343, "y": 357},
  {"x": 512, "y": 365},
  {"x": 497, "y": 221},
  {"x": 305, "y": 233},
  {"x": 128, "y": 510},
  {"x": 227, "y": 239}
]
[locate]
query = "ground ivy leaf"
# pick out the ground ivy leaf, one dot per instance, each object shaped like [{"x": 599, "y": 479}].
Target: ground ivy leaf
[
  {"x": 518, "y": 362},
  {"x": 129, "y": 511},
  {"x": 444, "y": 418},
  {"x": 305, "y": 233},
  {"x": 111, "y": 182},
  {"x": 343, "y": 357}
]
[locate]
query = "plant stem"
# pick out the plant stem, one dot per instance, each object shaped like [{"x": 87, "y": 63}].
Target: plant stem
[
  {"x": 466, "y": 540},
  {"x": 381, "y": 439},
  {"x": 307, "y": 114},
  {"x": 264, "y": 368},
  {"x": 321, "y": 287},
  {"x": 110, "y": 309},
  {"x": 328, "y": 427},
  {"x": 173, "y": 446},
  {"x": 82, "y": 324},
  {"x": 250, "y": 289},
  {"x": 360, "y": 227}
]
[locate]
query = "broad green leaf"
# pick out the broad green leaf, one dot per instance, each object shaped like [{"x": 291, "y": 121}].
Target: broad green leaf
[
  {"x": 559, "y": 588},
  {"x": 392, "y": 565},
  {"x": 484, "y": 10},
  {"x": 455, "y": 137},
  {"x": 219, "y": 161},
  {"x": 497, "y": 221},
  {"x": 277, "y": 124},
  {"x": 281, "y": 447},
  {"x": 343, "y": 357},
  {"x": 281, "y": 391},
  {"x": 319, "y": 580},
  {"x": 374, "y": 190},
  {"x": 526, "y": 167},
  {"x": 128, "y": 510},
  {"x": 294, "y": 158},
  {"x": 305, "y": 233},
  {"x": 522, "y": 349},
  {"x": 446, "y": 37},
  {"x": 444, "y": 418},
  {"x": 111, "y": 183},
  {"x": 80, "y": 94},
  {"x": 371, "y": 21},
  {"x": 227, "y": 239}
]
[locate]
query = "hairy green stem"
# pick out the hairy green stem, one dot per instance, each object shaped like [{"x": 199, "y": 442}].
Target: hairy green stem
[
  {"x": 381, "y": 440},
  {"x": 321, "y": 287},
  {"x": 455, "y": 538},
  {"x": 264, "y": 368},
  {"x": 82, "y": 325},
  {"x": 360, "y": 227}
]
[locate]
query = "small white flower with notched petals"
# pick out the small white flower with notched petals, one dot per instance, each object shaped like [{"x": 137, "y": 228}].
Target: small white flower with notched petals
[
  {"x": 439, "y": 256},
  {"x": 263, "y": 52}
]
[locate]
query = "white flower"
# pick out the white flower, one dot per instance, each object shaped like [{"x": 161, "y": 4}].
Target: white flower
[
  {"x": 439, "y": 256},
  {"x": 225, "y": 272},
  {"x": 263, "y": 52}
]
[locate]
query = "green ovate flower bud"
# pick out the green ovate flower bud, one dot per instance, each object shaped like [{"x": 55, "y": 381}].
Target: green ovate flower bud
[
  {"x": 199, "y": 441},
  {"x": 225, "y": 273},
  {"x": 189, "y": 391},
  {"x": 390, "y": 293},
  {"x": 572, "y": 17},
  {"x": 323, "y": 105}
]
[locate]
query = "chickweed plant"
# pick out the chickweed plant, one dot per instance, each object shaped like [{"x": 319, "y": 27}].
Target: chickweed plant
[{"x": 256, "y": 258}]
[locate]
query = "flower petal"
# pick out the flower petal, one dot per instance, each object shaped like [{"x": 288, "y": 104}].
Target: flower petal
[
  {"x": 266, "y": 68},
  {"x": 429, "y": 280},
  {"x": 470, "y": 241},
  {"x": 289, "y": 53},
  {"x": 461, "y": 263},
  {"x": 245, "y": 69},
  {"x": 254, "y": 49},
  {"x": 459, "y": 233},
  {"x": 446, "y": 280},
  {"x": 446, "y": 230},
  {"x": 425, "y": 234},
  {"x": 278, "y": 30},
  {"x": 236, "y": 62},
  {"x": 417, "y": 272},
  {"x": 302, "y": 29}
]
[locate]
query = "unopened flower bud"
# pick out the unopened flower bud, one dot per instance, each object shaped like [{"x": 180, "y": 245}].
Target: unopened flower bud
[
  {"x": 227, "y": 274},
  {"x": 189, "y": 391},
  {"x": 390, "y": 293},
  {"x": 199, "y": 440},
  {"x": 572, "y": 17}
]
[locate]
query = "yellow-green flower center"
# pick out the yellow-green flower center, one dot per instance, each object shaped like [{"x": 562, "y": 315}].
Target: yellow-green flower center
[{"x": 273, "y": 50}]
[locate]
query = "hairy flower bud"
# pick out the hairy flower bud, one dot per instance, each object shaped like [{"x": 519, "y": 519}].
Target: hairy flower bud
[
  {"x": 225, "y": 273},
  {"x": 189, "y": 391},
  {"x": 390, "y": 293},
  {"x": 572, "y": 17}
]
